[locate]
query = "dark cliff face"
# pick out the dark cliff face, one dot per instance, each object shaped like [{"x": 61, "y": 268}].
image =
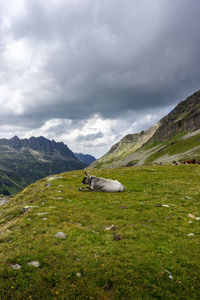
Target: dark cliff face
[{"x": 184, "y": 117}]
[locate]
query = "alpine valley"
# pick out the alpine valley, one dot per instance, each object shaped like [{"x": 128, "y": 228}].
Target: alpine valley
[
  {"x": 60, "y": 242},
  {"x": 23, "y": 161}
]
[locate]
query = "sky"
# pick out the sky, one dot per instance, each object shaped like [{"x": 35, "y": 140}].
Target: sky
[{"x": 88, "y": 72}]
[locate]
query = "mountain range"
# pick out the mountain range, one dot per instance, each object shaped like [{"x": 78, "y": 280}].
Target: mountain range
[
  {"x": 174, "y": 137},
  {"x": 23, "y": 161}
]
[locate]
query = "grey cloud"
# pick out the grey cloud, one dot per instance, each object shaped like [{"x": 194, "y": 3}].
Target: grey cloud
[
  {"x": 89, "y": 137},
  {"x": 106, "y": 57}
]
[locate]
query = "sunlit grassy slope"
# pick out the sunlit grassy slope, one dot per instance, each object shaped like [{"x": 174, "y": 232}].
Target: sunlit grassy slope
[
  {"x": 176, "y": 148},
  {"x": 148, "y": 255}
]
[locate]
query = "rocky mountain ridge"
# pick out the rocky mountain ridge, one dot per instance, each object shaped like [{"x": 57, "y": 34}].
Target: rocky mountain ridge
[
  {"x": 23, "y": 161},
  {"x": 38, "y": 144},
  {"x": 185, "y": 117}
]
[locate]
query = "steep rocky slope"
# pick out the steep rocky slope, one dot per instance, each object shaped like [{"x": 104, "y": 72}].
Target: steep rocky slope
[
  {"x": 174, "y": 137},
  {"x": 23, "y": 161},
  {"x": 185, "y": 117}
]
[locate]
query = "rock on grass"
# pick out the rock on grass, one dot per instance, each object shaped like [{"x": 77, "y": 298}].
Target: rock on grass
[
  {"x": 60, "y": 235},
  {"x": 16, "y": 266},
  {"x": 35, "y": 264}
]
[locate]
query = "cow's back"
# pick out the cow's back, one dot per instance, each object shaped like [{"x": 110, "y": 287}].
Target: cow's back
[{"x": 107, "y": 185}]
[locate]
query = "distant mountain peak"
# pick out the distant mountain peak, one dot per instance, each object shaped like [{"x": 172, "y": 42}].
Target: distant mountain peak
[{"x": 15, "y": 138}]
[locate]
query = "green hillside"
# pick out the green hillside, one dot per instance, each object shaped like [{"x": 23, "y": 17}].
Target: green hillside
[
  {"x": 174, "y": 137},
  {"x": 140, "y": 244}
]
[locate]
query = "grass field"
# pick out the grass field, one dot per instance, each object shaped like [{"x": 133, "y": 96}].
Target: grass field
[{"x": 152, "y": 251}]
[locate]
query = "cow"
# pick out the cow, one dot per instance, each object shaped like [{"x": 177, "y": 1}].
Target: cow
[
  {"x": 176, "y": 163},
  {"x": 190, "y": 162},
  {"x": 100, "y": 184}
]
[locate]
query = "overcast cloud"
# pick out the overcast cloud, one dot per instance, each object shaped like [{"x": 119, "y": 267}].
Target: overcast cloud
[{"x": 87, "y": 72}]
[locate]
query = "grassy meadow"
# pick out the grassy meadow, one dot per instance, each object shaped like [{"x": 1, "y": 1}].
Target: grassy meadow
[{"x": 143, "y": 243}]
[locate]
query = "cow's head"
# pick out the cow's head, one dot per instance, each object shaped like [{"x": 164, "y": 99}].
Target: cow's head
[{"x": 86, "y": 179}]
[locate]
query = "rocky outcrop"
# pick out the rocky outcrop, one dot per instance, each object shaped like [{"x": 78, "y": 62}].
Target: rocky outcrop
[{"x": 184, "y": 117}]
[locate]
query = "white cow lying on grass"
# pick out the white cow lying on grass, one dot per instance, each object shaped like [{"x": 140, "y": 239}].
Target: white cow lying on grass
[{"x": 102, "y": 184}]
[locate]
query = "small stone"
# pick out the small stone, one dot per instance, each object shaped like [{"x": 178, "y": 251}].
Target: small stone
[
  {"x": 112, "y": 227},
  {"x": 170, "y": 275},
  {"x": 190, "y": 222},
  {"x": 44, "y": 219},
  {"x": 27, "y": 208},
  {"x": 43, "y": 202},
  {"x": 35, "y": 264},
  {"x": 78, "y": 274},
  {"x": 42, "y": 214},
  {"x": 197, "y": 218},
  {"x": 165, "y": 205},
  {"x": 187, "y": 197},
  {"x": 190, "y": 234},
  {"x": 16, "y": 266},
  {"x": 191, "y": 216},
  {"x": 51, "y": 178},
  {"x": 3, "y": 201},
  {"x": 60, "y": 235}
]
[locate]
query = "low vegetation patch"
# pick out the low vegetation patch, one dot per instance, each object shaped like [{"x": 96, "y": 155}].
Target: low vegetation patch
[{"x": 59, "y": 243}]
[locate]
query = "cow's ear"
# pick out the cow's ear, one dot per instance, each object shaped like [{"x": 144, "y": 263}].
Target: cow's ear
[{"x": 87, "y": 174}]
